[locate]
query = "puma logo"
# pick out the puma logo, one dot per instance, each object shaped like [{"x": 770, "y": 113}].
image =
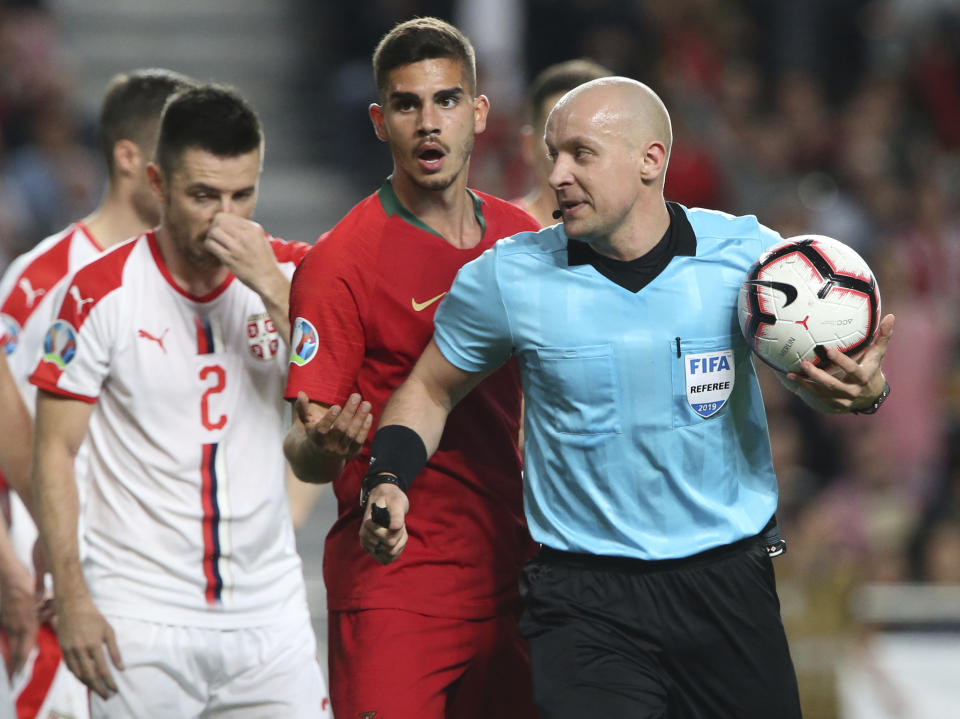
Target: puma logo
[
  {"x": 158, "y": 340},
  {"x": 31, "y": 293},
  {"x": 81, "y": 301},
  {"x": 420, "y": 306}
]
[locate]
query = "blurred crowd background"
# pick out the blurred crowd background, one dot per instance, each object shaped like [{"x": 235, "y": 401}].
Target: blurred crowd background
[{"x": 835, "y": 117}]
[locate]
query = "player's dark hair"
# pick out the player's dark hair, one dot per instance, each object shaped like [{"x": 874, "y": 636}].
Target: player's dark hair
[
  {"x": 423, "y": 38},
  {"x": 562, "y": 77},
  {"x": 131, "y": 108},
  {"x": 213, "y": 118}
]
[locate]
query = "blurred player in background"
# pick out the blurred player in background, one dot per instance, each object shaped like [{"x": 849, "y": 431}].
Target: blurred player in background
[
  {"x": 29, "y": 295},
  {"x": 549, "y": 86},
  {"x": 433, "y": 635},
  {"x": 18, "y": 603},
  {"x": 653, "y": 594},
  {"x": 18, "y": 613},
  {"x": 172, "y": 350}
]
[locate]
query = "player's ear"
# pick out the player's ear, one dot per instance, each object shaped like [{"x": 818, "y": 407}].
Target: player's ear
[
  {"x": 376, "y": 117},
  {"x": 155, "y": 178},
  {"x": 127, "y": 158},
  {"x": 481, "y": 106}
]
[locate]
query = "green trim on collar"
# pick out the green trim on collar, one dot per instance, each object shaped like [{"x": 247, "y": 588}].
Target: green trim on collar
[
  {"x": 392, "y": 206},
  {"x": 478, "y": 211}
]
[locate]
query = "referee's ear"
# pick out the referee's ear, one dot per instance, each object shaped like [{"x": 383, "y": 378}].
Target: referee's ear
[{"x": 653, "y": 161}]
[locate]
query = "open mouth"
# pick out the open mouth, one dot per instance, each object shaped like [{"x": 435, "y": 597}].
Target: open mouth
[
  {"x": 430, "y": 158},
  {"x": 571, "y": 207}
]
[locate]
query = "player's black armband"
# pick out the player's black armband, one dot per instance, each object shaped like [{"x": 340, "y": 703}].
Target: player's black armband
[
  {"x": 398, "y": 454},
  {"x": 876, "y": 405}
]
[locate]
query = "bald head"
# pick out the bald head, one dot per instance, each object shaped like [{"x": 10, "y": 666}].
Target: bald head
[
  {"x": 620, "y": 106},
  {"x": 609, "y": 142}
]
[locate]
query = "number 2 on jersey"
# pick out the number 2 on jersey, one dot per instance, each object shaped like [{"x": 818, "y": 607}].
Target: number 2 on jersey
[{"x": 221, "y": 382}]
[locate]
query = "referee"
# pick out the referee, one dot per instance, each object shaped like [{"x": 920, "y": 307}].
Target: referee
[{"x": 648, "y": 476}]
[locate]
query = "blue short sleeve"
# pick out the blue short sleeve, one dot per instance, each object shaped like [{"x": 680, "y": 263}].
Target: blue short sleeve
[
  {"x": 471, "y": 327},
  {"x": 768, "y": 237}
]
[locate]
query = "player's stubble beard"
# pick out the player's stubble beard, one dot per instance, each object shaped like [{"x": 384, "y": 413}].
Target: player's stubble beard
[
  {"x": 438, "y": 184},
  {"x": 200, "y": 259},
  {"x": 190, "y": 249}
]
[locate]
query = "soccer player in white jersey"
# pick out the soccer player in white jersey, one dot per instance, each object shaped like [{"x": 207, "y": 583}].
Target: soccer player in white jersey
[
  {"x": 128, "y": 123},
  {"x": 171, "y": 349},
  {"x": 17, "y": 605}
]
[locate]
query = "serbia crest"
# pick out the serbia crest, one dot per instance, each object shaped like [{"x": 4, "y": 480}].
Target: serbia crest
[{"x": 262, "y": 336}]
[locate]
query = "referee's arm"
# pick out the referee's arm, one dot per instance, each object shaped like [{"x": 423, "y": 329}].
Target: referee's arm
[{"x": 420, "y": 404}]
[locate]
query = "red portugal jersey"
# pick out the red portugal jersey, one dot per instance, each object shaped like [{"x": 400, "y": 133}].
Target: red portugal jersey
[
  {"x": 362, "y": 304},
  {"x": 186, "y": 519}
]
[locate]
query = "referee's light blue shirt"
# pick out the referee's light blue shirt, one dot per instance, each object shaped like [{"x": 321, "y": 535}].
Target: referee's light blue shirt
[{"x": 635, "y": 446}]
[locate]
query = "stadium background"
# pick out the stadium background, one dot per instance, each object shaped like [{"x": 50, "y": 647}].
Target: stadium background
[{"x": 839, "y": 117}]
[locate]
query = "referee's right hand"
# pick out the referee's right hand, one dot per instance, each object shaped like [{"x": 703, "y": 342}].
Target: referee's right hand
[{"x": 385, "y": 544}]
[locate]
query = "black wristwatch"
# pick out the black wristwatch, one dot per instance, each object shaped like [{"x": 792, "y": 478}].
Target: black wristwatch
[
  {"x": 876, "y": 405},
  {"x": 371, "y": 481}
]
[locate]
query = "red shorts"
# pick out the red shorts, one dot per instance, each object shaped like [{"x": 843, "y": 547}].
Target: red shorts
[{"x": 395, "y": 664}]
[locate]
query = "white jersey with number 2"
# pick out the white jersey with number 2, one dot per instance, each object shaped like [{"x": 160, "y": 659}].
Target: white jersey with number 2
[{"x": 186, "y": 519}]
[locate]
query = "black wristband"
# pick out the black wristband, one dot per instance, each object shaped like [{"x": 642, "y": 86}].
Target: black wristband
[
  {"x": 876, "y": 405},
  {"x": 398, "y": 451},
  {"x": 372, "y": 480}
]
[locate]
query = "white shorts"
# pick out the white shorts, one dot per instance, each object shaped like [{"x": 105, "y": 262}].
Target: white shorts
[
  {"x": 45, "y": 688},
  {"x": 6, "y": 698},
  {"x": 177, "y": 672}
]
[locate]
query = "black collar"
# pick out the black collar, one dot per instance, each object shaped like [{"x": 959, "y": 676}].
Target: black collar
[{"x": 636, "y": 274}]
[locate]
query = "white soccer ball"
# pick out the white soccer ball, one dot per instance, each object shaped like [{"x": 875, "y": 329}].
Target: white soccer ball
[{"x": 804, "y": 295}]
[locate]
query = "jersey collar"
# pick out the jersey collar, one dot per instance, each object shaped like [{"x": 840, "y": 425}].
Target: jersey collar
[
  {"x": 678, "y": 241},
  {"x": 165, "y": 271},
  {"x": 89, "y": 235},
  {"x": 392, "y": 206}
]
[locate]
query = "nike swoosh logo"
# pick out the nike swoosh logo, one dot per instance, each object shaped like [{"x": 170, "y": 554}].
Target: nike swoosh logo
[
  {"x": 420, "y": 306},
  {"x": 789, "y": 290}
]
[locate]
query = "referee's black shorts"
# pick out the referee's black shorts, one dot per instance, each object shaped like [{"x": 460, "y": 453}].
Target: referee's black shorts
[{"x": 693, "y": 638}]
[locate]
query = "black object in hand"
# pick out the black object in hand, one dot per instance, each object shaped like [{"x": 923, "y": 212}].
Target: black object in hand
[
  {"x": 557, "y": 214},
  {"x": 380, "y": 515}
]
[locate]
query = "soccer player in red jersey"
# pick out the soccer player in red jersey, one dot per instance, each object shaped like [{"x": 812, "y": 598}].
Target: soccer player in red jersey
[
  {"x": 546, "y": 89},
  {"x": 433, "y": 634}
]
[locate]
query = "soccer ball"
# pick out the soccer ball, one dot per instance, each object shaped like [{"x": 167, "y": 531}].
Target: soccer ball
[{"x": 804, "y": 295}]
